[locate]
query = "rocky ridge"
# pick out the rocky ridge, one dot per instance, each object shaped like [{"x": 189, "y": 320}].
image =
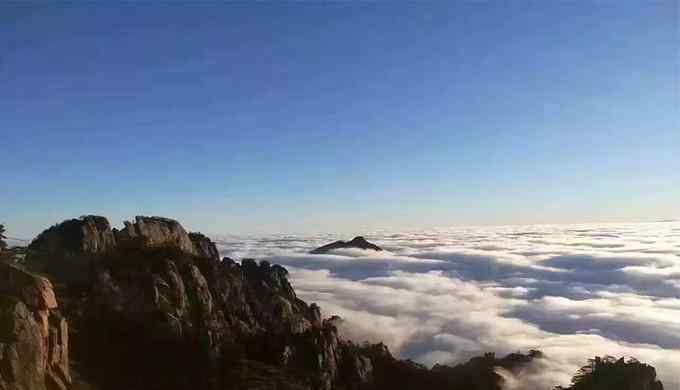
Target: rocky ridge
[
  {"x": 155, "y": 285},
  {"x": 152, "y": 306}
]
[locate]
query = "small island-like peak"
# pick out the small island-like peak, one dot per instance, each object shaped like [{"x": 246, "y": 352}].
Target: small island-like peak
[{"x": 357, "y": 242}]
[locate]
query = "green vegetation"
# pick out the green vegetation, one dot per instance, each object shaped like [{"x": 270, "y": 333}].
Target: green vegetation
[{"x": 611, "y": 373}]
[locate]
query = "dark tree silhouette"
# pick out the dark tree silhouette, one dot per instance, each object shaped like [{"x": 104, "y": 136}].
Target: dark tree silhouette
[
  {"x": 611, "y": 373},
  {"x": 3, "y": 244}
]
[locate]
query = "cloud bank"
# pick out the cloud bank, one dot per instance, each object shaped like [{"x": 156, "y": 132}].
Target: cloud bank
[{"x": 443, "y": 296}]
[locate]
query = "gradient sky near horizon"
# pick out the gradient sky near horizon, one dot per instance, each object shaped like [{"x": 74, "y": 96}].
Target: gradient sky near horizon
[{"x": 333, "y": 117}]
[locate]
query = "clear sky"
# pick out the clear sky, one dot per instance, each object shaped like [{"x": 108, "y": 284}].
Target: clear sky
[{"x": 340, "y": 117}]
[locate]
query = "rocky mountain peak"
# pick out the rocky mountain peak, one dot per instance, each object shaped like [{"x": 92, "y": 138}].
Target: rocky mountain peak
[
  {"x": 357, "y": 242},
  {"x": 71, "y": 249},
  {"x": 153, "y": 307}
]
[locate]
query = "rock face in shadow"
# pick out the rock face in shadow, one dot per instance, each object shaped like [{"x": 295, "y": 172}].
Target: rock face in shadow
[
  {"x": 34, "y": 348},
  {"x": 67, "y": 250},
  {"x": 89, "y": 234},
  {"x": 212, "y": 315},
  {"x": 203, "y": 246},
  {"x": 356, "y": 243},
  {"x": 164, "y": 308}
]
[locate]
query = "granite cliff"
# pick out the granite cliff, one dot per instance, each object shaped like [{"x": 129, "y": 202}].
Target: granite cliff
[
  {"x": 170, "y": 314},
  {"x": 152, "y": 306},
  {"x": 34, "y": 348}
]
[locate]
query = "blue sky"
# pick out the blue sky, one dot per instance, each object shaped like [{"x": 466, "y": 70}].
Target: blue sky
[{"x": 340, "y": 117}]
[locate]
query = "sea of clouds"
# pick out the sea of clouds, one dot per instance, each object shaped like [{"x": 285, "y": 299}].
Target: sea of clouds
[{"x": 572, "y": 291}]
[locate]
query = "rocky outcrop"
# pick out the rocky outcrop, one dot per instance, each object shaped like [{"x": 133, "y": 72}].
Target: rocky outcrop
[
  {"x": 68, "y": 250},
  {"x": 356, "y": 243},
  {"x": 88, "y": 234},
  {"x": 71, "y": 250},
  {"x": 152, "y": 292},
  {"x": 34, "y": 291},
  {"x": 34, "y": 348},
  {"x": 205, "y": 304},
  {"x": 155, "y": 232},
  {"x": 204, "y": 247}
]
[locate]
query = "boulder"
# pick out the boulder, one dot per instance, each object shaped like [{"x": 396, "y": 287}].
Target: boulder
[
  {"x": 89, "y": 234},
  {"x": 68, "y": 250},
  {"x": 35, "y": 291},
  {"x": 155, "y": 232}
]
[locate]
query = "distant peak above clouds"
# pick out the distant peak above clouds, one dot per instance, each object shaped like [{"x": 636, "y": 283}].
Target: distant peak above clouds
[
  {"x": 357, "y": 242},
  {"x": 446, "y": 295}
]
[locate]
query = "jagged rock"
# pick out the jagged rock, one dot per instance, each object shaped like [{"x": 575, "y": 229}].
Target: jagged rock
[
  {"x": 22, "y": 348},
  {"x": 315, "y": 315},
  {"x": 356, "y": 243},
  {"x": 34, "y": 352},
  {"x": 34, "y": 291},
  {"x": 169, "y": 292},
  {"x": 59, "y": 373},
  {"x": 68, "y": 250},
  {"x": 200, "y": 298},
  {"x": 204, "y": 247},
  {"x": 356, "y": 370}
]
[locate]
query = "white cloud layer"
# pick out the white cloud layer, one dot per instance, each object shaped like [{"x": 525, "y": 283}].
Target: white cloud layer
[{"x": 442, "y": 296}]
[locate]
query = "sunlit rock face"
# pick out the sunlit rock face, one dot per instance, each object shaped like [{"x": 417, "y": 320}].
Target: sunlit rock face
[
  {"x": 34, "y": 347},
  {"x": 150, "y": 232}
]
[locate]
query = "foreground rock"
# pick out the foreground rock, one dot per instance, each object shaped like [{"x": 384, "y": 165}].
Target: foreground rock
[
  {"x": 356, "y": 243},
  {"x": 34, "y": 353},
  {"x": 169, "y": 314}
]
